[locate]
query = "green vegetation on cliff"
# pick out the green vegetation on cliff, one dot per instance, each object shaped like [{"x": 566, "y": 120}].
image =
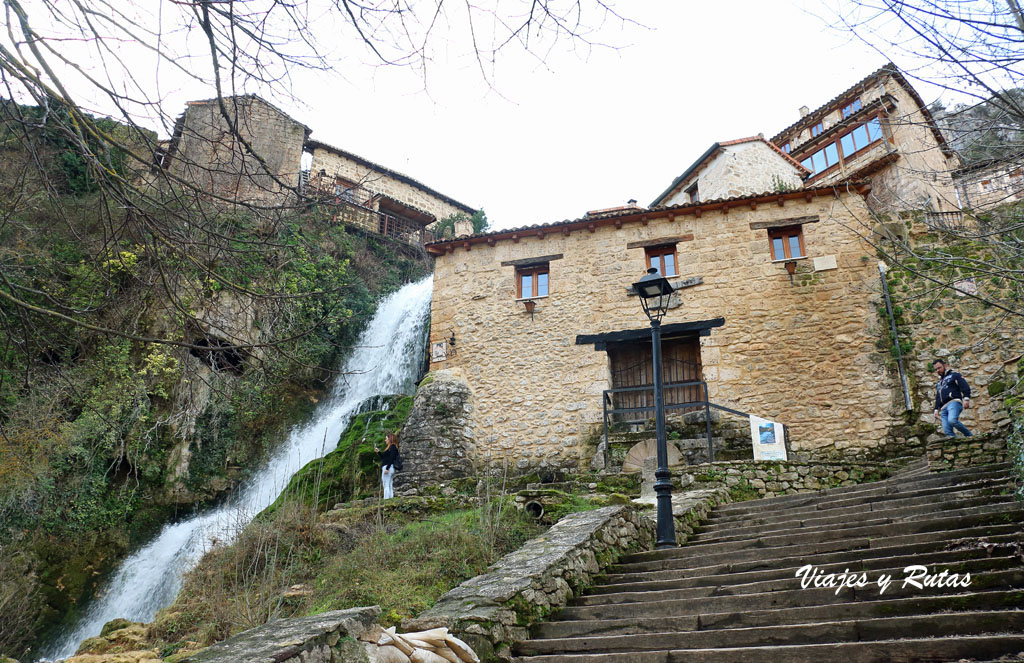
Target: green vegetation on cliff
[{"x": 139, "y": 379}]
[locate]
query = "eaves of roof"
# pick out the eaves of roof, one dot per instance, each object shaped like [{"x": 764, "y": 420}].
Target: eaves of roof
[
  {"x": 314, "y": 144},
  {"x": 711, "y": 152},
  {"x": 644, "y": 215}
]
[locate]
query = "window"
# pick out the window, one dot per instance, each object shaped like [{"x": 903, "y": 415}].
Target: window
[
  {"x": 532, "y": 281},
  {"x": 861, "y": 137},
  {"x": 663, "y": 259},
  {"x": 822, "y": 160},
  {"x": 851, "y": 108},
  {"x": 694, "y": 193},
  {"x": 787, "y": 243},
  {"x": 817, "y": 129},
  {"x": 986, "y": 185},
  {"x": 787, "y": 147}
]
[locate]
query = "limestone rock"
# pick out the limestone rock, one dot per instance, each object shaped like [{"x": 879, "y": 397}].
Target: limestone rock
[{"x": 437, "y": 441}]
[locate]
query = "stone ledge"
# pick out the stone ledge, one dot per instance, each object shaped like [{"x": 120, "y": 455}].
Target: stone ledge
[
  {"x": 949, "y": 453},
  {"x": 331, "y": 636},
  {"x": 494, "y": 609}
]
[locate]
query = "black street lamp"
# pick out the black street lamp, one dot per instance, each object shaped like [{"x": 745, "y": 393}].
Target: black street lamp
[{"x": 655, "y": 292}]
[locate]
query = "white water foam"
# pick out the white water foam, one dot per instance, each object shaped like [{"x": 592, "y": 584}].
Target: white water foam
[{"x": 386, "y": 361}]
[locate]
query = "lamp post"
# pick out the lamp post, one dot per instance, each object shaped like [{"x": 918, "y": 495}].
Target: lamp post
[{"x": 655, "y": 292}]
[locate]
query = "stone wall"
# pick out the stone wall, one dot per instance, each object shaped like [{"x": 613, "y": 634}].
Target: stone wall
[
  {"x": 326, "y": 638},
  {"x": 979, "y": 341},
  {"x": 740, "y": 170},
  {"x": 207, "y": 154},
  {"x": 436, "y": 440},
  {"x": 381, "y": 181},
  {"x": 771, "y": 479},
  {"x": 495, "y": 609},
  {"x": 800, "y": 351},
  {"x": 953, "y": 452}
]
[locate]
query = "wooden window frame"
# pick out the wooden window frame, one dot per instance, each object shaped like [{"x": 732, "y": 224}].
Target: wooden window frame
[
  {"x": 818, "y": 129},
  {"x": 852, "y": 109},
  {"x": 652, "y": 253},
  {"x": 693, "y": 192},
  {"x": 787, "y": 147},
  {"x": 881, "y": 137},
  {"x": 785, "y": 233},
  {"x": 532, "y": 271}
]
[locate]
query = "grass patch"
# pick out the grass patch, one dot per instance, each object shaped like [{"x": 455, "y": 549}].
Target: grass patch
[{"x": 291, "y": 564}]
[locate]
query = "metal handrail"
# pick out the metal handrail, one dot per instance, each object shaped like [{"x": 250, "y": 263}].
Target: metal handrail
[{"x": 706, "y": 403}]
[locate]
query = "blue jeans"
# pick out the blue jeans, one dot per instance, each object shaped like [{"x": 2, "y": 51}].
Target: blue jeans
[{"x": 951, "y": 419}]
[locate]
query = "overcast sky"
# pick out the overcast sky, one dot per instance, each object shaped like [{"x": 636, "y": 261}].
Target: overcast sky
[
  {"x": 539, "y": 139},
  {"x": 592, "y": 130}
]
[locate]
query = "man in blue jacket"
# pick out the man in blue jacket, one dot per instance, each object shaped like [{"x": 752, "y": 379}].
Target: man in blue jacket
[{"x": 952, "y": 396}]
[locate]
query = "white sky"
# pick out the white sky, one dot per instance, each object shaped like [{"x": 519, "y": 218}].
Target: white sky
[
  {"x": 583, "y": 130},
  {"x": 550, "y": 144}
]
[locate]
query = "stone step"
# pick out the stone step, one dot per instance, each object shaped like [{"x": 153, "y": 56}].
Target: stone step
[
  {"x": 977, "y": 601},
  {"x": 878, "y": 503},
  {"x": 883, "y": 628},
  {"x": 853, "y": 495},
  {"x": 791, "y": 598},
  {"x": 755, "y": 558},
  {"x": 864, "y": 518},
  {"x": 875, "y": 559},
  {"x": 911, "y": 650},
  {"x": 674, "y": 590},
  {"x": 895, "y": 482},
  {"x": 928, "y": 523}
]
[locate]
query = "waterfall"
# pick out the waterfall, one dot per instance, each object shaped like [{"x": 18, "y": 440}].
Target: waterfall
[{"x": 386, "y": 361}]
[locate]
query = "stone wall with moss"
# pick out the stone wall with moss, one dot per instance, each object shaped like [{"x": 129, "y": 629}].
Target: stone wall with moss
[
  {"x": 757, "y": 479},
  {"x": 954, "y": 297}
]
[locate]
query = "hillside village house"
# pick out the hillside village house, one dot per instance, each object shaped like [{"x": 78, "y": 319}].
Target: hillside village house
[
  {"x": 778, "y": 289},
  {"x": 265, "y": 168}
]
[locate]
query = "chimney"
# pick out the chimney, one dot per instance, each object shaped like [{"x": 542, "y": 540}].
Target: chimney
[
  {"x": 804, "y": 110},
  {"x": 631, "y": 202}
]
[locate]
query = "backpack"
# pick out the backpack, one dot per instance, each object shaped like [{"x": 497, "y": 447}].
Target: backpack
[{"x": 397, "y": 464}]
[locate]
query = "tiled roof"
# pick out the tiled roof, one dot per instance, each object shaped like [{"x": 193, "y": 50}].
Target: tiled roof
[
  {"x": 640, "y": 213},
  {"x": 314, "y": 144},
  {"x": 711, "y": 151}
]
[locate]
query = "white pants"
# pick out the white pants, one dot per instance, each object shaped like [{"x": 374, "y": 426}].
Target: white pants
[{"x": 387, "y": 474}]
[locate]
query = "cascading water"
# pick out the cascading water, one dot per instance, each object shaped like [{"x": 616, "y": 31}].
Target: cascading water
[{"x": 386, "y": 361}]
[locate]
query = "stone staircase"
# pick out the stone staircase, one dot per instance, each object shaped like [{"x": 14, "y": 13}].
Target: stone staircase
[{"x": 732, "y": 592}]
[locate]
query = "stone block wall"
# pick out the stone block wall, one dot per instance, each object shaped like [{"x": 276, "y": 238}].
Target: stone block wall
[
  {"x": 771, "y": 479},
  {"x": 798, "y": 351},
  {"x": 336, "y": 163},
  {"x": 984, "y": 188},
  {"x": 210, "y": 156},
  {"x": 953, "y": 452},
  {"x": 496, "y": 608}
]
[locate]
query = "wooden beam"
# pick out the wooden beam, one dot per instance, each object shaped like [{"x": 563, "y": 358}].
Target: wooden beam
[
  {"x": 540, "y": 234},
  {"x": 591, "y": 227},
  {"x": 466, "y": 245},
  {"x": 782, "y": 223},
  {"x": 660, "y": 241},
  {"x": 515, "y": 238},
  {"x": 809, "y": 196},
  {"x": 618, "y": 224},
  {"x": 565, "y": 230},
  {"x": 697, "y": 212},
  {"x": 527, "y": 262},
  {"x": 725, "y": 208},
  {"x": 753, "y": 204},
  {"x": 782, "y": 201},
  {"x": 491, "y": 241}
]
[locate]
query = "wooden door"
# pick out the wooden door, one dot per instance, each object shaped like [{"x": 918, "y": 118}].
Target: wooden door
[{"x": 632, "y": 365}]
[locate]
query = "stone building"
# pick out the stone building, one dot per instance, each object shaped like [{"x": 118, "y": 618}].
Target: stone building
[
  {"x": 735, "y": 168},
  {"x": 250, "y": 156},
  {"x": 986, "y": 185},
  {"x": 540, "y": 321},
  {"x": 255, "y": 155},
  {"x": 879, "y": 130}
]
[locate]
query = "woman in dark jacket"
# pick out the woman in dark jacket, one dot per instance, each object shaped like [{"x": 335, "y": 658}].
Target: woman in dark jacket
[{"x": 389, "y": 460}]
